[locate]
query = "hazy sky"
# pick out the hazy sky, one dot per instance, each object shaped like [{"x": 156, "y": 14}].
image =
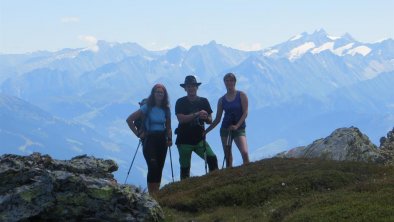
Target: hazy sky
[{"x": 30, "y": 25}]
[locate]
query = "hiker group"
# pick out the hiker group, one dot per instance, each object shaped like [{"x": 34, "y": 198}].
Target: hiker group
[{"x": 152, "y": 125}]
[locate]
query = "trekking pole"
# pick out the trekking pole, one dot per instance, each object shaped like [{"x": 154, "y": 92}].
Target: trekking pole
[
  {"x": 172, "y": 171},
  {"x": 139, "y": 143},
  {"x": 205, "y": 154},
  {"x": 227, "y": 147}
]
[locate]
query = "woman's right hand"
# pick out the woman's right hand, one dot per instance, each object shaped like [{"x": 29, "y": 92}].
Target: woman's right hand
[{"x": 233, "y": 127}]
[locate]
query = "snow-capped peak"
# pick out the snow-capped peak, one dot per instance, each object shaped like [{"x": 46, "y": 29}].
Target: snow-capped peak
[{"x": 315, "y": 43}]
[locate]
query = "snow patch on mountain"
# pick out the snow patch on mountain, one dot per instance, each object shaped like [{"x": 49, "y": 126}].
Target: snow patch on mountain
[
  {"x": 300, "y": 50},
  {"x": 296, "y": 37},
  {"x": 271, "y": 52},
  {"x": 340, "y": 50},
  {"x": 333, "y": 37},
  {"x": 325, "y": 46},
  {"x": 362, "y": 50}
]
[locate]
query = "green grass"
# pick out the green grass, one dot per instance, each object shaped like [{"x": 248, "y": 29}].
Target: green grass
[{"x": 285, "y": 190}]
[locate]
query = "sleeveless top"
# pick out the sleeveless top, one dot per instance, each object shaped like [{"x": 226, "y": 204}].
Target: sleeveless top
[{"x": 232, "y": 111}]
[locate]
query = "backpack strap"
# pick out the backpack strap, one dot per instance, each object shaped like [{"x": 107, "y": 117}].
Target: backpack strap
[{"x": 146, "y": 118}]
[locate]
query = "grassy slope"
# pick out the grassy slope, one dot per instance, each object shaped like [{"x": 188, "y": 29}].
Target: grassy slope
[{"x": 285, "y": 190}]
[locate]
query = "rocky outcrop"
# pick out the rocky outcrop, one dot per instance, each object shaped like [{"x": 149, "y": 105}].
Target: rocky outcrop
[
  {"x": 343, "y": 144},
  {"x": 39, "y": 188},
  {"x": 387, "y": 147}
]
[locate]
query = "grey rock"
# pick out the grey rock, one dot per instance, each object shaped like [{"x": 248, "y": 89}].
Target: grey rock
[
  {"x": 343, "y": 144},
  {"x": 39, "y": 188},
  {"x": 297, "y": 152}
]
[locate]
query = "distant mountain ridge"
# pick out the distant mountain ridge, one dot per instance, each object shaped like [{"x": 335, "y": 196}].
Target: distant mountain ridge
[
  {"x": 298, "y": 90},
  {"x": 37, "y": 130}
]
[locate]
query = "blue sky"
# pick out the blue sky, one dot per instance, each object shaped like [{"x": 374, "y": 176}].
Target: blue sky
[{"x": 27, "y": 25}]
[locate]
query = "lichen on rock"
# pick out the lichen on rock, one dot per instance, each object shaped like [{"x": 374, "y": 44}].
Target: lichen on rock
[{"x": 40, "y": 188}]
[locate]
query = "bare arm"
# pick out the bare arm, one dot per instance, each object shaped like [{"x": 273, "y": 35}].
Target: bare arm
[
  {"x": 182, "y": 118},
  {"x": 130, "y": 121},
  {"x": 219, "y": 113},
  {"x": 208, "y": 119}
]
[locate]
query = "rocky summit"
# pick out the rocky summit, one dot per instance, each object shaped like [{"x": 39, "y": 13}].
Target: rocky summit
[
  {"x": 39, "y": 188},
  {"x": 346, "y": 144}
]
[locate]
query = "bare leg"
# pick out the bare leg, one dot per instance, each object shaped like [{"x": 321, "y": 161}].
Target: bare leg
[
  {"x": 227, "y": 153},
  {"x": 242, "y": 145},
  {"x": 153, "y": 188}
]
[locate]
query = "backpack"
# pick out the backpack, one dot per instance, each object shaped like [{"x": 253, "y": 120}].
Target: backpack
[{"x": 138, "y": 122}]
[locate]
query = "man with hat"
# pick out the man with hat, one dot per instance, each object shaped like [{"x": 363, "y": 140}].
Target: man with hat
[{"x": 192, "y": 112}]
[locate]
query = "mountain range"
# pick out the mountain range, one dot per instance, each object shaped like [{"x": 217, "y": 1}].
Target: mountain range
[{"x": 298, "y": 90}]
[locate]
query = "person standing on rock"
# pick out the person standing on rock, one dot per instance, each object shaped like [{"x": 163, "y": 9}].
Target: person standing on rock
[
  {"x": 235, "y": 106},
  {"x": 193, "y": 112},
  {"x": 156, "y": 133}
]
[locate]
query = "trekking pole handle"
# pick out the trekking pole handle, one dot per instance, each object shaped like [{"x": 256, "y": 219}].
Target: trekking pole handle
[{"x": 228, "y": 142}]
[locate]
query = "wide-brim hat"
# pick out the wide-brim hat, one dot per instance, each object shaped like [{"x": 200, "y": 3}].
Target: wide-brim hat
[{"x": 190, "y": 80}]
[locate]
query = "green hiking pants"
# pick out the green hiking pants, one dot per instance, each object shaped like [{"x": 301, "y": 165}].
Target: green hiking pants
[{"x": 185, "y": 152}]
